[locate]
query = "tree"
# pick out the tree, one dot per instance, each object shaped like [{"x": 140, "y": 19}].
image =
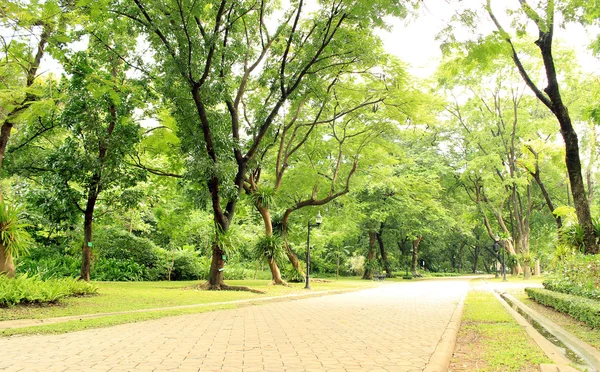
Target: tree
[
  {"x": 94, "y": 132},
  {"x": 19, "y": 63},
  {"x": 550, "y": 96},
  {"x": 217, "y": 57}
]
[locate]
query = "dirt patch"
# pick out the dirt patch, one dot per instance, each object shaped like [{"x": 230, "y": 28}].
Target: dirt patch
[{"x": 469, "y": 354}]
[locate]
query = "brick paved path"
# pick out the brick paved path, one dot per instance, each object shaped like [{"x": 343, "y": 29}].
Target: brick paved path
[{"x": 395, "y": 327}]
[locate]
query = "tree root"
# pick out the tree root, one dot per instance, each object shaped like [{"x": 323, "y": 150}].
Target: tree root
[
  {"x": 283, "y": 283},
  {"x": 224, "y": 287}
]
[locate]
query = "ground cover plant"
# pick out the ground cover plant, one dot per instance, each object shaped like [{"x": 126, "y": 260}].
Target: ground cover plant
[{"x": 26, "y": 290}]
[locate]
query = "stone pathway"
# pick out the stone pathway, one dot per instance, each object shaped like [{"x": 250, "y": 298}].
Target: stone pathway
[{"x": 395, "y": 327}]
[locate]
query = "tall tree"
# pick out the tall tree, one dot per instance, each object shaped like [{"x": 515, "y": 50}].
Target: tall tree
[
  {"x": 215, "y": 57},
  {"x": 544, "y": 19},
  {"x": 20, "y": 58}
]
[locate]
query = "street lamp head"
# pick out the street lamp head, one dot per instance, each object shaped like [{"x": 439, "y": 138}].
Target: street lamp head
[
  {"x": 496, "y": 238},
  {"x": 319, "y": 219}
]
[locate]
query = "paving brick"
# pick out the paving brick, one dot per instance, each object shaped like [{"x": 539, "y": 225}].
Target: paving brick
[{"x": 394, "y": 327}]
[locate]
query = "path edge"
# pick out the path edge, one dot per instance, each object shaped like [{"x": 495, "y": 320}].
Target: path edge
[{"x": 440, "y": 360}]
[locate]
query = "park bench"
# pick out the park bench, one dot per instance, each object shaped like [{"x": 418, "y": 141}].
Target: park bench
[{"x": 379, "y": 276}]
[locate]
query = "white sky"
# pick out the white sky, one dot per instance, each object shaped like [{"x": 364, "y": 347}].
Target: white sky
[{"x": 415, "y": 43}]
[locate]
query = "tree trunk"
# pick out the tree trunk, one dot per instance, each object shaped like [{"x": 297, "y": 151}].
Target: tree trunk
[
  {"x": 370, "y": 257},
  {"x": 215, "y": 278},
  {"x": 86, "y": 249},
  {"x": 266, "y": 216},
  {"x": 476, "y": 252},
  {"x": 384, "y": 258},
  {"x": 537, "y": 270},
  {"x": 6, "y": 262},
  {"x": 415, "y": 256},
  {"x": 460, "y": 256},
  {"x": 288, "y": 250}
]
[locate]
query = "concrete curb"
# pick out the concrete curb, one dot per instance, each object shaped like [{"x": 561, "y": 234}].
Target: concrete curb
[
  {"x": 547, "y": 347},
  {"x": 440, "y": 360},
  {"x": 24, "y": 323},
  {"x": 585, "y": 351}
]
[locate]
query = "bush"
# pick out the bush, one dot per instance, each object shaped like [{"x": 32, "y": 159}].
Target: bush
[
  {"x": 580, "y": 308},
  {"x": 121, "y": 245},
  {"x": 112, "y": 269},
  {"x": 357, "y": 263},
  {"x": 292, "y": 275},
  {"x": 580, "y": 269},
  {"x": 188, "y": 266},
  {"x": 33, "y": 290},
  {"x": 48, "y": 262},
  {"x": 565, "y": 286}
]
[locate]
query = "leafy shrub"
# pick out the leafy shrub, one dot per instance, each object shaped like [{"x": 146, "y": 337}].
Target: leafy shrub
[
  {"x": 121, "y": 245},
  {"x": 358, "y": 264},
  {"x": 112, "y": 269},
  {"x": 24, "y": 289},
  {"x": 292, "y": 275},
  {"x": 580, "y": 308},
  {"x": 565, "y": 286},
  {"x": 55, "y": 266},
  {"x": 579, "y": 269},
  {"x": 188, "y": 266}
]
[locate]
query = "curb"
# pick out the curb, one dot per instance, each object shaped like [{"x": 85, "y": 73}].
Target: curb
[
  {"x": 589, "y": 354},
  {"x": 440, "y": 360}
]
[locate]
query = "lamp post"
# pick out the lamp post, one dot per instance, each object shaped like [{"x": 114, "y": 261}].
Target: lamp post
[{"x": 318, "y": 221}]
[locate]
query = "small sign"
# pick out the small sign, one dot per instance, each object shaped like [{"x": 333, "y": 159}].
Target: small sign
[
  {"x": 224, "y": 257},
  {"x": 221, "y": 269},
  {"x": 89, "y": 244}
]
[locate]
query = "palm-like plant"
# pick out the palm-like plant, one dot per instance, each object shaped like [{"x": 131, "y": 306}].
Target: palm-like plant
[{"x": 14, "y": 239}]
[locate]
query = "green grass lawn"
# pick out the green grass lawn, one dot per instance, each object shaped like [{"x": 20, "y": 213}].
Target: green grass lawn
[
  {"x": 490, "y": 339},
  {"x": 517, "y": 279},
  {"x": 125, "y": 296}
]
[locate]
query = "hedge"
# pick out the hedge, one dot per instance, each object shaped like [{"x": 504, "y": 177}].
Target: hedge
[
  {"x": 580, "y": 308},
  {"x": 566, "y": 286}
]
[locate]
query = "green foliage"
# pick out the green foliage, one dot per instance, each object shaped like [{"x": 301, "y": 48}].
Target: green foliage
[
  {"x": 32, "y": 290},
  {"x": 112, "y": 269},
  {"x": 13, "y": 235},
  {"x": 563, "y": 285},
  {"x": 270, "y": 247},
  {"x": 580, "y": 270},
  {"x": 116, "y": 243},
  {"x": 292, "y": 275},
  {"x": 580, "y": 308},
  {"x": 50, "y": 264}
]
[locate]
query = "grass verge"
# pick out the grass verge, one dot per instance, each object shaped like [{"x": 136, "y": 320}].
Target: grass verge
[{"x": 490, "y": 339}]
